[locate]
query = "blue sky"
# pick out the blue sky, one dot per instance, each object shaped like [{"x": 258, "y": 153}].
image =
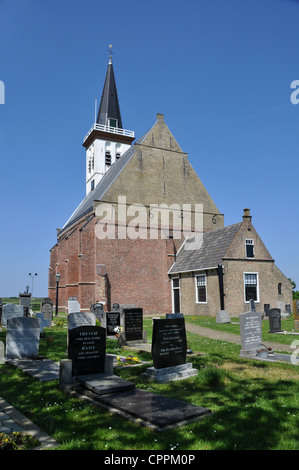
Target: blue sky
[{"x": 220, "y": 72}]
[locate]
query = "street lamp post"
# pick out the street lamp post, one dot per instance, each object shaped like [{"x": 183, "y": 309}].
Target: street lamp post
[{"x": 57, "y": 277}]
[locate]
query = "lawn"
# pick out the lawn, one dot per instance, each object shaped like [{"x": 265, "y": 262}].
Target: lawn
[{"x": 255, "y": 404}]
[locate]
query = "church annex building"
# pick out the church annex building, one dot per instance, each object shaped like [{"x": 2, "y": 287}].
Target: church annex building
[{"x": 157, "y": 270}]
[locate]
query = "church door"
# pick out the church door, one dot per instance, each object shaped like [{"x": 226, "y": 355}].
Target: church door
[{"x": 176, "y": 294}]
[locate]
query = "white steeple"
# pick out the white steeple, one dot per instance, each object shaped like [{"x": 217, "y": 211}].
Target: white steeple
[{"x": 107, "y": 140}]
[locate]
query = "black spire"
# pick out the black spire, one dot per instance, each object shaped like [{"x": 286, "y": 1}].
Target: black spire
[{"x": 109, "y": 107}]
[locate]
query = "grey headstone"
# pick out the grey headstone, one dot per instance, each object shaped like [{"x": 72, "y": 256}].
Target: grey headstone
[
  {"x": 44, "y": 322},
  {"x": 250, "y": 332},
  {"x": 11, "y": 311},
  {"x": 2, "y": 353},
  {"x": 47, "y": 308},
  {"x": 98, "y": 310},
  {"x": 222, "y": 317},
  {"x": 22, "y": 337},
  {"x": 77, "y": 319},
  {"x": 73, "y": 305},
  {"x": 24, "y": 299}
]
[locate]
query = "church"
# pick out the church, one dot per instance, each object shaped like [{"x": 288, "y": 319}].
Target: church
[{"x": 148, "y": 234}]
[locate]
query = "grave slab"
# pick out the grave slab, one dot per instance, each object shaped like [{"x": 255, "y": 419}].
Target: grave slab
[
  {"x": 167, "y": 374},
  {"x": 155, "y": 409},
  {"x": 104, "y": 384},
  {"x": 43, "y": 369}
]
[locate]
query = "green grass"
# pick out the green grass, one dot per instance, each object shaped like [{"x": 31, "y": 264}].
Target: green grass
[
  {"x": 255, "y": 404},
  {"x": 287, "y": 324}
]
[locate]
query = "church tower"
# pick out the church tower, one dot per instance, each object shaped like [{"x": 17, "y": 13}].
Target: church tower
[{"x": 106, "y": 141}]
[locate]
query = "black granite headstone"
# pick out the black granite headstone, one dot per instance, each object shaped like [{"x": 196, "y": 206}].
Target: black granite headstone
[
  {"x": 169, "y": 343},
  {"x": 112, "y": 321},
  {"x": 133, "y": 324},
  {"x": 87, "y": 349},
  {"x": 274, "y": 320}
]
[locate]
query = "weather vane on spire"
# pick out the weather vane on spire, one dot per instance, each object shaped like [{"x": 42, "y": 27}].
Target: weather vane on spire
[{"x": 110, "y": 50}]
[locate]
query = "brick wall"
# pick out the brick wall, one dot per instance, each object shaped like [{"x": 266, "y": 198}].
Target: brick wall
[{"x": 112, "y": 271}]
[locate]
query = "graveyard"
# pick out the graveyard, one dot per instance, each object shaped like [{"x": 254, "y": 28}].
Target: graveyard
[{"x": 235, "y": 401}]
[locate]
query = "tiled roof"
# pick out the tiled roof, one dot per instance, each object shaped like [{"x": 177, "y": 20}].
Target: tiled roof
[{"x": 214, "y": 247}]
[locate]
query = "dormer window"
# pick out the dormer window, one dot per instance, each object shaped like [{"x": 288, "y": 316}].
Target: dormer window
[{"x": 249, "y": 246}]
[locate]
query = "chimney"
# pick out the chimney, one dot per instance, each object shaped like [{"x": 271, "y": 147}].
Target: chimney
[{"x": 246, "y": 216}]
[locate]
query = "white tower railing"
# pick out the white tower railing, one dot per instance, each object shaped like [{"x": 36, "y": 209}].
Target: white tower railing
[{"x": 111, "y": 130}]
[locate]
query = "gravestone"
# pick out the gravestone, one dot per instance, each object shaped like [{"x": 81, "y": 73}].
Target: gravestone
[
  {"x": 2, "y": 353},
  {"x": 76, "y": 319},
  {"x": 250, "y": 332},
  {"x": 44, "y": 322},
  {"x": 222, "y": 317},
  {"x": 73, "y": 305},
  {"x": 174, "y": 315},
  {"x": 296, "y": 314},
  {"x": 11, "y": 311},
  {"x": 169, "y": 344},
  {"x": 169, "y": 350},
  {"x": 24, "y": 299},
  {"x": 98, "y": 310},
  {"x": 22, "y": 338},
  {"x": 266, "y": 309},
  {"x": 252, "y": 305},
  {"x": 274, "y": 320},
  {"x": 133, "y": 324},
  {"x": 87, "y": 349},
  {"x": 112, "y": 321},
  {"x": 47, "y": 309},
  {"x": 288, "y": 309}
]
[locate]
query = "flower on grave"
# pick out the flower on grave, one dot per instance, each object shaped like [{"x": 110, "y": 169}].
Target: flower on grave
[
  {"x": 118, "y": 329},
  {"x": 126, "y": 361}
]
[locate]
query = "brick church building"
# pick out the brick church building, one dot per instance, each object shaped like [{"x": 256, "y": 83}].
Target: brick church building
[{"x": 116, "y": 247}]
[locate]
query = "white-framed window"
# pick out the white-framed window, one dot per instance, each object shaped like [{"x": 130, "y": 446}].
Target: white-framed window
[
  {"x": 201, "y": 288},
  {"x": 251, "y": 287},
  {"x": 249, "y": 247}
]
